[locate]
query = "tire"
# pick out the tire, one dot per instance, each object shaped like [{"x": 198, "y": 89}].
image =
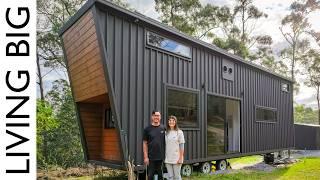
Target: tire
[
  {"x": 221, "y": 164},
  {"x": 186, "y": 170},
  {"x": 268, "y": 158},
  {"x": 205, "y": 168}
]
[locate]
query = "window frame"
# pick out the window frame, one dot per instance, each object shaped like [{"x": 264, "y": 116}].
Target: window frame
[
  {"x": 288, "y": 85},
  {"x": 150, "y": 45},
  {"x": 266, "y": 108},
  {"x": 107, "y": 117},
  {"x": 181, "y": 89},
  {"x": 234, "y": 98}
]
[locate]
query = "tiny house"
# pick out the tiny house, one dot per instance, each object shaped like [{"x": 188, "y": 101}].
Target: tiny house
[{"x": 122, "y": 65}]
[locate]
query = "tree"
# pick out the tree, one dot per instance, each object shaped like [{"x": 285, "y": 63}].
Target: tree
[
  {"x": 293, "y": 27},
  {"x": 179, "y": 14},
  {"x": 304, "y": 114},
  {"x": 64, "y": 143},
  {"x": 209, "y": 18},
  {"x": 246, "y": 11},
  {"x": 238, "y": 30},
  {"x": 46, "y": 124},
  {"x": 311, "y": 63}
]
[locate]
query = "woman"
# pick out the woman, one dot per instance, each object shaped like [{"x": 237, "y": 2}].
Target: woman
[{"x": 174, "y": 148}]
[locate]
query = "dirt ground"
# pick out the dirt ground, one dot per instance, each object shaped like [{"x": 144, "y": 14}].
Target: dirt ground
[
  {"x": 89, "y": 170},
  {"x": 280, "y": 162}
]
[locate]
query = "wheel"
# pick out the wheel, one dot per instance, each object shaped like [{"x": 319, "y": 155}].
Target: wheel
[
  {"x": 221, "y": 164},
  {"x": 268, "y": 158},
  {"x": 205, "y": 168},
  {"x": 186, "y": 170}
]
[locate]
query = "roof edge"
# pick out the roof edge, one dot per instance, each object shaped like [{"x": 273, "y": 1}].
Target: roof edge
[
  {"x": 165, "y": 27},
  {"x": 76, "y": 16}
]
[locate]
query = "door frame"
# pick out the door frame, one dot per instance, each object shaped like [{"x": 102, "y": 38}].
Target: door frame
[{"x": 226, "y": 125}]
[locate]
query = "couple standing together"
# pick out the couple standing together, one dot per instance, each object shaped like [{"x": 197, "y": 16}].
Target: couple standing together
[{"x": 160, "y": 143}]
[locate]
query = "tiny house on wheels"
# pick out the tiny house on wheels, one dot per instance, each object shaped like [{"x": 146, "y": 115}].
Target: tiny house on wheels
[{"x": 122, "y": 65}]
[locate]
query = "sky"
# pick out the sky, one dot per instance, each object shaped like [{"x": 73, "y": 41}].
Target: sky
[{"x": 275, "y": 9}]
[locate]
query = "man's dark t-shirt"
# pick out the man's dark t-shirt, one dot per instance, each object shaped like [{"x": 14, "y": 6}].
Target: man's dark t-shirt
[{"x": 155, "y": 137}]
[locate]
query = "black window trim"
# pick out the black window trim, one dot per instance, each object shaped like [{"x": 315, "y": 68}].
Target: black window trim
[
  {"x": 267, "y": 108},
  {"x": 149, "y": 45},
  {"x": 282, "y": 83},
  {"x": 106, "y": 123},
  {"x": 182, "y": 89}
]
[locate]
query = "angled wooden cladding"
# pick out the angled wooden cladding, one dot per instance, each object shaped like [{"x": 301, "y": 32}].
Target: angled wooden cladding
[
  {"x": 90, "y": 90},
  {"x": 91, "y": 116},
  {"x": 84, "y": 59}
]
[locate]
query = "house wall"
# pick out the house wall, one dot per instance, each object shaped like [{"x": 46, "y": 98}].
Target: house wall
[
  {"x": 139, "y": 74},
  {"x": 86, "y": 73}
]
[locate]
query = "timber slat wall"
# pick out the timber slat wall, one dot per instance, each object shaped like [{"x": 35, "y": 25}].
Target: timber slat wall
[
  {"x": 89, "y": 88},
  {"x": 84, "y": 59},
  {"x": 91, "y": 115},
  {"x": 110, "y": 145}
]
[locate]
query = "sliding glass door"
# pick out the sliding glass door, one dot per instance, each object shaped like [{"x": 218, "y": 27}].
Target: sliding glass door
[
  {"x": 216, "y": 114},
  {"x": 223, "y": 125}
]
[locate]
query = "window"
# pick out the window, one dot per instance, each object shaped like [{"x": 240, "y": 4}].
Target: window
[
  {"x": 108, "y": 119},
  {"x": 158, "y": 41},
  {"x": 183, "y": 105},
  {"x": 266, "y": 114},
  {"x": 285, "y": 87}
]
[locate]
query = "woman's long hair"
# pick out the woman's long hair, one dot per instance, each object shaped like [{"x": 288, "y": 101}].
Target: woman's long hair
[{"x": 176, "y": 126}]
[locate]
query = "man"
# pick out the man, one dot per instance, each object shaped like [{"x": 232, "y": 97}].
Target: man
[{"x": 154, "y": 146}]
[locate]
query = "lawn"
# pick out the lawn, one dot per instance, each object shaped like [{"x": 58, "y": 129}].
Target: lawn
[
  {"x": 245, "y": 160},
  {"x": 306, "y": 168}
]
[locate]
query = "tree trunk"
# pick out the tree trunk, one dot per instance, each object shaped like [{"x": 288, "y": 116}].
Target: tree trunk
[
  {"x": 172, "y": 15},
  {"x": 318, "y": 101},
  {"x": 243, "y": 24},
  {"x": 40, "y": 79},
  {"x": 45, "y": 147},
  {"x": 293, "y": 61}
]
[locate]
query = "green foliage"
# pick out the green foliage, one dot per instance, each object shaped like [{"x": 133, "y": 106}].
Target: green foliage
[
  {"x": 59, "y": 129},
  {"x": 311, "y": 62},
  {"x": 46, "y": 124},
  {"x": 305, "y": 115},
  {"x": 195, "y": 19},
  {"x": 179, "y": 14}
]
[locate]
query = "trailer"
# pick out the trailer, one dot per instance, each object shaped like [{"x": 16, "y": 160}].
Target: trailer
[{"x": 122, "y": 65}]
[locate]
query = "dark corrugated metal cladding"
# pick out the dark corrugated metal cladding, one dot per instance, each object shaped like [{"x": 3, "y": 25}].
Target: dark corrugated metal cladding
[{"x": 140, "y": 73}]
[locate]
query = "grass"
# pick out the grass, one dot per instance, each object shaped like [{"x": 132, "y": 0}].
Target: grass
[
  {"x": 306, "y": 168},
  {"x": 245, "y": 160}
]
